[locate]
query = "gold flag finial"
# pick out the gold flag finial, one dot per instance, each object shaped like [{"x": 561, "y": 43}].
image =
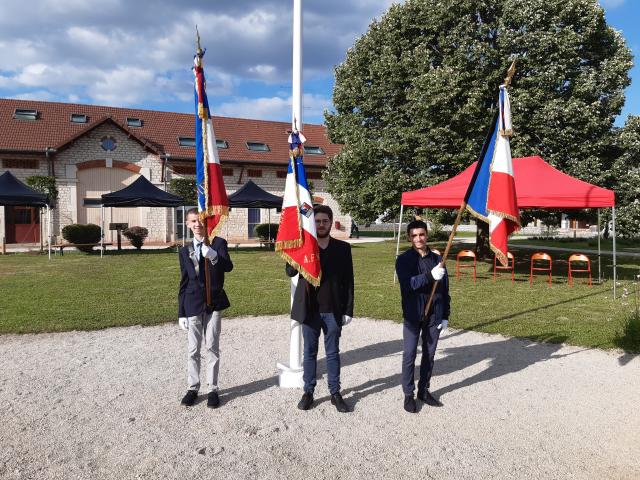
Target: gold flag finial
[
  {"x": 198, "y": 48},
  {"x": 510, "y": 72}
]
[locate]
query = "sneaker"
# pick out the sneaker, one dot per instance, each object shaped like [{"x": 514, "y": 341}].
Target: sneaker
[
  {"x": 190, "y": 398},
  {"x": 410, "y": 403},
  {"x": 306, "y": 401},
  {"x": 338, "y": 401},
  {"x": 429, "y": 399},
  {"x": 213, "y": 400}
]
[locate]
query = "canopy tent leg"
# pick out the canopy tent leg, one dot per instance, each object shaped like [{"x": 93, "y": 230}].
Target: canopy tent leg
[
  {"x": 599, "y": 252},
  {"x": 101, "y": 230},
  {"x": 49, "y": 231},
  {"x": 269, "y": 220},
  {"x": 613, "y": 229},
  {"x": 398, "y": 241}
]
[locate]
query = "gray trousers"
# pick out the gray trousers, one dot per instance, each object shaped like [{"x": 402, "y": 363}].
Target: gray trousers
[{"x": 206, "y": 325}]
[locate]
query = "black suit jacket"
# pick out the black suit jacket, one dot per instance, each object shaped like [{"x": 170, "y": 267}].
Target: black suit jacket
[
  {"x": 191, "y": 294},
  {"x": 341, "y": 286}
]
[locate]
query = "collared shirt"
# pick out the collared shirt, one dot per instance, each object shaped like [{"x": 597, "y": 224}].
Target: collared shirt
[{"x": 197, "y": 247}]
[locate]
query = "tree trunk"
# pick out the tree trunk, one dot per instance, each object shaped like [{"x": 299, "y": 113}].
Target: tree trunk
[{"x": 483, "y": 250}]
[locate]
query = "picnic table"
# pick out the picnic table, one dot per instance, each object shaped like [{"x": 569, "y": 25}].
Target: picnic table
[{"x": 62, "y": 246}]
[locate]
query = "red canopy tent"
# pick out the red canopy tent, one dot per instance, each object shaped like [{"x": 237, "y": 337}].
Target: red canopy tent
[{"x": 538, "y": 185}]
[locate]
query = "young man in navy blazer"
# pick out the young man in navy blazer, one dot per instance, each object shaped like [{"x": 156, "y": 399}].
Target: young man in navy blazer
[
  {"x": 195, "y": 316},
  {"x": 418, "y": 268}
]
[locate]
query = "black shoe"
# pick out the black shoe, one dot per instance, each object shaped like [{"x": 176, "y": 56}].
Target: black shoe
[
  {"x": 190, "y": 398},
  {"x": 341, "y": 405},
  {"x": 213, "y": 401},
  {"x": 410, "y": 403},
  {"x": 429, "y": 399},
  {"x": 306, "y": 401}
]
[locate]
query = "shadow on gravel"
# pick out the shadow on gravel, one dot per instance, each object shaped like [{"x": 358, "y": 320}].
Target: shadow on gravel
[
  {"x": 350, "y": 357},
  {"x": 505, "y": 357}
]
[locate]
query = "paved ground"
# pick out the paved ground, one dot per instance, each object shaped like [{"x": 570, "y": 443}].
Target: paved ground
[{"x": 105, "y": 405}]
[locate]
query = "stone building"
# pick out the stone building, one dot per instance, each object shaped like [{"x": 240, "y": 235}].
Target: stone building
[{"x": 92, "y": 150}]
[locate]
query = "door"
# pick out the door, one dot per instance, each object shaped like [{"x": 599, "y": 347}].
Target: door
[
  {"x": 253, "y": 220},
  {"x": 22, "y": 224}
]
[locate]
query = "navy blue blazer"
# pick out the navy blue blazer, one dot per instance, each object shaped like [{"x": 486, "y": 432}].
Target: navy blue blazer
[
  {"x": 416, "y": 283},
  {"x": 191, "y": 294}
]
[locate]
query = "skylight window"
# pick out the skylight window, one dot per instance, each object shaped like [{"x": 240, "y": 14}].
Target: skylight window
[
  {"x": 134, "y": 122},
  {"x": 222, "y": 144},
  {"x": 78, "y": 118},
  {"x": 25, "y": 114},
  {"x": 257, "y": 147},
  {"x": 186, "y": 141},
  {"x": 313, "y": 150}
]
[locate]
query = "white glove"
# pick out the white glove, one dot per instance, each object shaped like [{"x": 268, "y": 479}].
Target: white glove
[
  {"x": 346, "y": 320},
  {"x": 444, "y": 324},
  {"x": 437, "y": 272},
  {"x": 209, "y": 253},
  {"x": 184, "y": 323}
]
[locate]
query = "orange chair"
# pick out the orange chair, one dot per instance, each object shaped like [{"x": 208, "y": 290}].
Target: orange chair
[
  {"x": 459, "y": 265},
  {"x": 540, "y": 256},
  {"x": 511, "y": 264},
  {"x": 579, "y": 257}
]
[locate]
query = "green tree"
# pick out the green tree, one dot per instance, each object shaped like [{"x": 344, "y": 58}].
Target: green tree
[
  {"x": 44, "y": 184},
  {"x": 414, "y": 97},
  {"x": 626, "y": 179},
  {"x": 185, "y": 188}
]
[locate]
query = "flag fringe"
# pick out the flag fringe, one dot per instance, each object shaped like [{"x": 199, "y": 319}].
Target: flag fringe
[
  {"x": 286, "y": 244},
  {"x": 506, "y": 216},
  {"x": 312, "y": 280},
  {"x": 499, "y": 255}
]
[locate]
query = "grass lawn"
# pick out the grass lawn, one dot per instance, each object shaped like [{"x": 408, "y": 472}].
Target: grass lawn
[
  {"x": 81, "y": 292},
  {"x": 622, "y": 244}
]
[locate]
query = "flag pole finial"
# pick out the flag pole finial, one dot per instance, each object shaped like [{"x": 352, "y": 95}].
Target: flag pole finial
[
  {"x": 510, "y": 72},
  {"x": 198, "y": 48}
]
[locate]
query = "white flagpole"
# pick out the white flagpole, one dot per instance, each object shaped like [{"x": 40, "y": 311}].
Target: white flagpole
[{"x": 291, "y": 375}]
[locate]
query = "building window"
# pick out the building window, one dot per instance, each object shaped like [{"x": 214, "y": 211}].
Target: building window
[
  {"x": 281, "y": 174},
  {"x": 257, "y": 147},
  {"x": 314, "y": 175},
  {"x": 309, "y": 150},
  {"x": 187, "y": 142},
  {"x": 254, "y": 172},
  {"x": 227, "y": 172},
  {"x": 108, "y": 144},
  {"x": 184, "y": 169},
  {"x": 134, "y": 122},
  {"x": 25, "y": 114},
  {"x": 253, "y": 219},
  {"x": 222, "y": 144},
  {"x": 20, "y": 163},
  {"x": 91, "y": 202},
  {"x": 78, "y": 118}
]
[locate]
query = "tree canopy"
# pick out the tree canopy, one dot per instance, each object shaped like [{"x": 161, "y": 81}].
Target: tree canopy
[{"x": 414, "y": 97}]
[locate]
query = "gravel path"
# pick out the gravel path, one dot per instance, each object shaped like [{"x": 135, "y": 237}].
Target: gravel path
[{"x": 105, "y": 404}]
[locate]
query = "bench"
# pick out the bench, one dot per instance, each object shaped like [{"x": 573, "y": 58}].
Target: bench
[{"x": 62, "y": 246}]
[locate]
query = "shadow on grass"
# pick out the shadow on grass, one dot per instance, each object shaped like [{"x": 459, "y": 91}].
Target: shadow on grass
[{"x": 629, "y": 338}]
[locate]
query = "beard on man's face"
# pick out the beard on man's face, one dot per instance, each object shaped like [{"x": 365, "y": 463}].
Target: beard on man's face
[{"x": 323, "y": 232}]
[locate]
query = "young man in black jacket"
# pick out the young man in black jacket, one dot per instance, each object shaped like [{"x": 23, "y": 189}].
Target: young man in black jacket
[
  {"x": 195, "y": 316},
  {"x": 418, "y": 268},
  {"x": 326, "y": 308}
]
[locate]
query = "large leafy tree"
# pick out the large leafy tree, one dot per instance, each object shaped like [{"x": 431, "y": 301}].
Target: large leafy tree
[
  {"x": 414, "y": 96},
  {"x": 626, "y": 178}
]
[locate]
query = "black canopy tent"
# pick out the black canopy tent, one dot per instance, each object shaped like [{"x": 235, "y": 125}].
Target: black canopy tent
[
  {"x": 251, "y": 195},
  {"x": 141, "y": 193},
  {"x": 13, "y": 193}
]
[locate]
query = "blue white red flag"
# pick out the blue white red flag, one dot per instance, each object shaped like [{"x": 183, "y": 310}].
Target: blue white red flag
[
  {"x": 297, "y": 241},
  {"x": 213, "y": 204},
  {"x": 491, "y": 196}
]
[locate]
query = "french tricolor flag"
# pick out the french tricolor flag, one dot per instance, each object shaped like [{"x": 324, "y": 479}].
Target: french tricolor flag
[
  {"x": 213, "y": 203},
  {"x": 492, "y": 193},
  {"x": 297, "y": 241}
]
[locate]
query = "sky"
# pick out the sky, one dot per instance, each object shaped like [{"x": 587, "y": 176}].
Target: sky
[{"x": 139, "y": 54}]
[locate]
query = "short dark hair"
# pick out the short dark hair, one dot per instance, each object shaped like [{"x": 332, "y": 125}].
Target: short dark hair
[
  {"x": 416, "y": 224},
  {"x": 323, "y": 209},
  {"x": 191, "y": 211}
]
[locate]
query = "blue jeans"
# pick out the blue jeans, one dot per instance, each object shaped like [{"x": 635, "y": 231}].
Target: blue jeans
[{"x": 311, "y": 336}]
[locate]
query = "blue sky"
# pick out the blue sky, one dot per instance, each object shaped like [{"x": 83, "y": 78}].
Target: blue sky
[{"x": 138, "y": 54}]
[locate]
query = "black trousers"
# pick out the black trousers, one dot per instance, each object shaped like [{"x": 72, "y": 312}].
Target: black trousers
[{"x": 411, "y": 332}]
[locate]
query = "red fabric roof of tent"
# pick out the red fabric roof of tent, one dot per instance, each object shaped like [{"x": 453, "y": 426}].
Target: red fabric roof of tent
[{"x": 538, "y": 185}]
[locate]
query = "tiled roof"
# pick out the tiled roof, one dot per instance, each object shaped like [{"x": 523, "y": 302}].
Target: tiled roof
[{"x": 159, "y": 131}]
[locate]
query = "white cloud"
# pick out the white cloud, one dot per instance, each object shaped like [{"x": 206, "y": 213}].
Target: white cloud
[
  {"x": 611, "y": 3},
  {"x": 274, "y": 108}
]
